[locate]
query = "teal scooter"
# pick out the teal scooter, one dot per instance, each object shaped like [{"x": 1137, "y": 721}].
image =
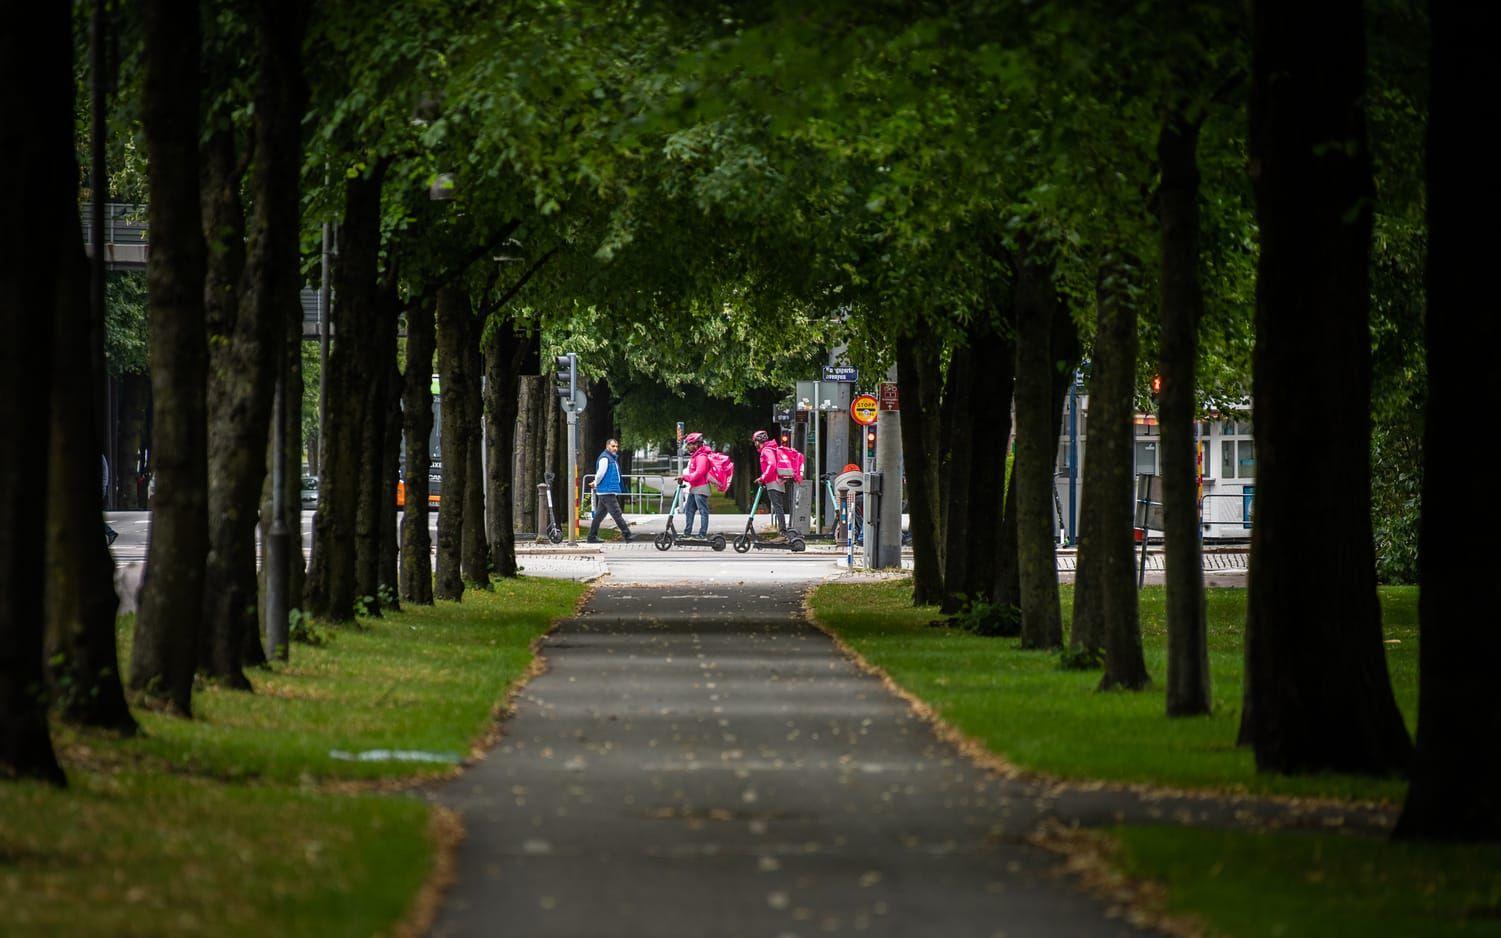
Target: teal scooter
[
  {"x": 749, "y": 540},
  {"x": 670, "y": 538}
]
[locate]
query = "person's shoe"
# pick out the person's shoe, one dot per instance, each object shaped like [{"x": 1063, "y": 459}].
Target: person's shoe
[
  {"x": 593, "y": 540},
  {"x": 626, "y": 537}
]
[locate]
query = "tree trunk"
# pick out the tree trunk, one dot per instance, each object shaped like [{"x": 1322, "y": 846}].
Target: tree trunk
[
  {"x": 959, "y": 405},
  {"x": 1008, "y": 589},
  {"x": 476, "y": 549},
  {"x": 1182, "y": 308},
  {"x": 1320, "y": 698},
  {"x": 80, "y": 596},
  {"x": 502, "y": 355},
  {"x": 1037, "y": 416},
  {"x": 390, "y": 551},
  {"x": 917, "y": 371},
  {"x": 377, "y": 489},
  {"x": 526, "y": 483},
  {"x": 1088, "y": 627},
  {"x": 453, "y": 363},
  {"x": 417, "y": 421},
  {"x": 1112, "y": 440},
  {"x": 39, "y": 241},
  {"x": 171, "y": 599},
  {"x": 331, "y": 581},
  {"x": 239, "y": 410},
  {"x": 990, "y": 429},
  {"x": 1456, "y": 777}
]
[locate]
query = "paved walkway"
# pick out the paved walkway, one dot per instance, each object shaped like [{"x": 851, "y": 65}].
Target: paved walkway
[{"x": 700, "y": 762}]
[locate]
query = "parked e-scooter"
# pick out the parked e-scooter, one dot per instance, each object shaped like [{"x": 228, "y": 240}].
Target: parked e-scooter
[{"x": 554, "y": 530}]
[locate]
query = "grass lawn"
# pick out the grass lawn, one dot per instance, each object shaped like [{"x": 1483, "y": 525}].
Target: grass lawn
[
  {"x": 1022, "y": 706},
  {"x": 233, "y": 822},
  {"x": 1307, "y": 885}
]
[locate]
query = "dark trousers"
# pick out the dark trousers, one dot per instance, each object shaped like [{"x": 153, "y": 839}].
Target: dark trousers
[
  {"x": 603, "y": 502},
  {"x": 778, "y": 507}
]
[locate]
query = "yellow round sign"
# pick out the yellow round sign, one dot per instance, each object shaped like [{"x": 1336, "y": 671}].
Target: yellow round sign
[{"x": 863, "y": 409}]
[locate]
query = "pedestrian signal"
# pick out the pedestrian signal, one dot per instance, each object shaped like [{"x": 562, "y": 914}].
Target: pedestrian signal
[{"x": 566, "y": 378}]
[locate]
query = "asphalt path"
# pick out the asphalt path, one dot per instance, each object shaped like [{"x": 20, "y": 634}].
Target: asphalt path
[{"x": 698, "y": 761}]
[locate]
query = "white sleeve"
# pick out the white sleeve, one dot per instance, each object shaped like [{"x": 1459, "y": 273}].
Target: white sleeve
[{"x": 600, "y": 468}]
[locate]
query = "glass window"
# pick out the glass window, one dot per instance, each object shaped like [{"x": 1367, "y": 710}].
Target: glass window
[
  {"x": 1247, "y": 459},
  {"x": 1146, "y": 459},
  {"x": 1227, "y": 459},
  {"x": 1228, "y": 429}
]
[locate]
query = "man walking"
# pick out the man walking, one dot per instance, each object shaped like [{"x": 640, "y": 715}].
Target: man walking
[{"x": 607, "y": 491}]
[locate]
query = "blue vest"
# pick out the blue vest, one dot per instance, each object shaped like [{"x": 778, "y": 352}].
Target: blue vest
[{"x": 609, "y": 482}]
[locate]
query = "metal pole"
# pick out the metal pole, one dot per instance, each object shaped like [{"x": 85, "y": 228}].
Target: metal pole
[
  {"x": 323, "y": 298},
  {"x": 276, "y": 541},
  {"x": 817, "y": 506},
  {"x": 573, "y": 471}
]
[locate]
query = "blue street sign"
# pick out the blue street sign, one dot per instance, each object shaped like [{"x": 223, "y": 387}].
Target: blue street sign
[{"x": 842, "y": 373}]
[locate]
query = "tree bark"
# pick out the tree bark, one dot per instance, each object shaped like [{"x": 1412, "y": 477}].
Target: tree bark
[
  {"x": 171, "y": 599},
  {"x": 1182, "y": 308},
  {"x": 502, "y": 353},
  {"x": 417, "y": 420},
  {"x": 991, "y": 431},
  {"x": 1088, "y": 628},
  {"x": 476, "y": 549},
  {"x": 38, "y": 232},
  {"x": 917, "y": 373},
  {"x": 528, "y": 386},
  {"x": 331, "y": 582},
  {"x": 377, "y": 489},
  {"x": 453, "y": 364},
  {"x": 959, "y": 407},
  {"x": 1037, "y": 416},
  {"x": 1008, "y": 589},
  {"x": 1112, "y": 442},
  {"x": 1319, "y": 695},
  {"x": 1456, "y": 776},
  {"x": 390, "y": 549}
]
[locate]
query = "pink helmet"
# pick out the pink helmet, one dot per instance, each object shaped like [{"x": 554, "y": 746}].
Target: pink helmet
[
  {"x": 760, "y": 437},
  {"x": 693, "y": 438}
]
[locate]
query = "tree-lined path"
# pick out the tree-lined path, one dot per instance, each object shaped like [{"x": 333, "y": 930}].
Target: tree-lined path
[{"x": 702, "y": 761}]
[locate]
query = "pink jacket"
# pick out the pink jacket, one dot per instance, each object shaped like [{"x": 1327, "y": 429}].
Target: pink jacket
[
  {"x": 697, "y": 472},
  {"x": 768, "y": 464}
]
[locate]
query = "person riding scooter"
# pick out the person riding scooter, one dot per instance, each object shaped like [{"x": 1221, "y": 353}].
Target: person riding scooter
[
  {"x": 771, "y": 477},
  {"x": 696, "y": 477}
]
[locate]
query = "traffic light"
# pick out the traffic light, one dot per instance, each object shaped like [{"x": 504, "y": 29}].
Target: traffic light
[
  {"x": 1156, "y": 386},
  {"x": 786, "y": 437},
  {"x": 567, "y": 377},
  {"x": 870, "y": 442}
]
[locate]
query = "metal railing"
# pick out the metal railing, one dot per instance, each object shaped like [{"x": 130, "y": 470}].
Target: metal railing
[
  {"x": 645, "y": 494},
  {"x": 124, "y": 223}
]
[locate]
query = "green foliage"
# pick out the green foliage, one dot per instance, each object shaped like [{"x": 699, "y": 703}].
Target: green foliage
[
  {"x": 988, "y": 620},
  {"x": 1081, "y": 658},
  {"x": 305, "y": 630},
  {"x": 125, "y": 339}
]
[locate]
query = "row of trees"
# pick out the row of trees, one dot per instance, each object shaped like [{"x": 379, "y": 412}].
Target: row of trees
[{"x": 987, "y": 198}]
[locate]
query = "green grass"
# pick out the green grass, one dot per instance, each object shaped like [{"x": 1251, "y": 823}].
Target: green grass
[
  {"x": 231, "y": 822},
  {"x": 1022, "y": 706},
  {"x": 1298, "y": 884}
]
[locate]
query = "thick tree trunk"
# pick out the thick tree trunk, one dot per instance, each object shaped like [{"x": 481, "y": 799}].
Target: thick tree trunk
[
  {"x": 1036, "y": 455},
  {"x": 81, "y": 601},
  {"x": 390, "y": 551},
  {"x": 1182, "y": 308},
  {"x": 417, "y": 421},
  {"x": 1112, "y": 439},
  {"x": 502, "y": 355},
  {"x": 1319, "y": 695},
  {"x": 476, "y": 549},
  {"x": 960, "y": 406},
  {"x": 453, "y": 363},
  {"x": 171, "y": 599},
  {"x": 1008, "y": 588},
  {"x": 990, "y": 429},
  {"x": 917, "y": 373},
  {"x": 239, "y": 409},
  {"x": 1456, "y": 777},
  {"x": 377, "y": 489},
  {"x": 39, "y": 239},
  {"x": 331, "y": 582},
  {"x": 1088, "y": 628}
]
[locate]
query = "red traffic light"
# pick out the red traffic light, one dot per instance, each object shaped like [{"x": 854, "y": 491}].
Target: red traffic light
[{"x": 1156, "y": 385}]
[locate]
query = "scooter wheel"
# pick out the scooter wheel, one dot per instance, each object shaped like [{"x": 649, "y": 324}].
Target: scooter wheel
[
  {"x": 717, "y": 542},
  {"x": 555, "y": 534},
  {"x": 742, "y": 544},
  {"x": 663, "y": 541},
  {"x": 798, "y": 545}
]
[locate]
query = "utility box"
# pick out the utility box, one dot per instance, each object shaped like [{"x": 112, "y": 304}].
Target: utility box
[{"x": 800, "y": 513}]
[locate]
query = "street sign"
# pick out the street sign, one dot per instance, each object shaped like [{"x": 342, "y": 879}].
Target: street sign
[
  {"x": 863, "y": 409},
  {"x": 841, "y": 373},
  {"x": 890, "y": 398}
]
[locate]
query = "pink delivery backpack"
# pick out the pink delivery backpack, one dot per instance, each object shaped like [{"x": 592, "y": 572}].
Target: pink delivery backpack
[{"x": 721, "y": 471}]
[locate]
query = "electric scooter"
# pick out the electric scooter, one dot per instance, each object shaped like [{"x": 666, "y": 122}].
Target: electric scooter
[
  {"x": 554, "y": 530},
  {"x": 670, "y": 538},
  {"x": 744, "y": 542}
]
